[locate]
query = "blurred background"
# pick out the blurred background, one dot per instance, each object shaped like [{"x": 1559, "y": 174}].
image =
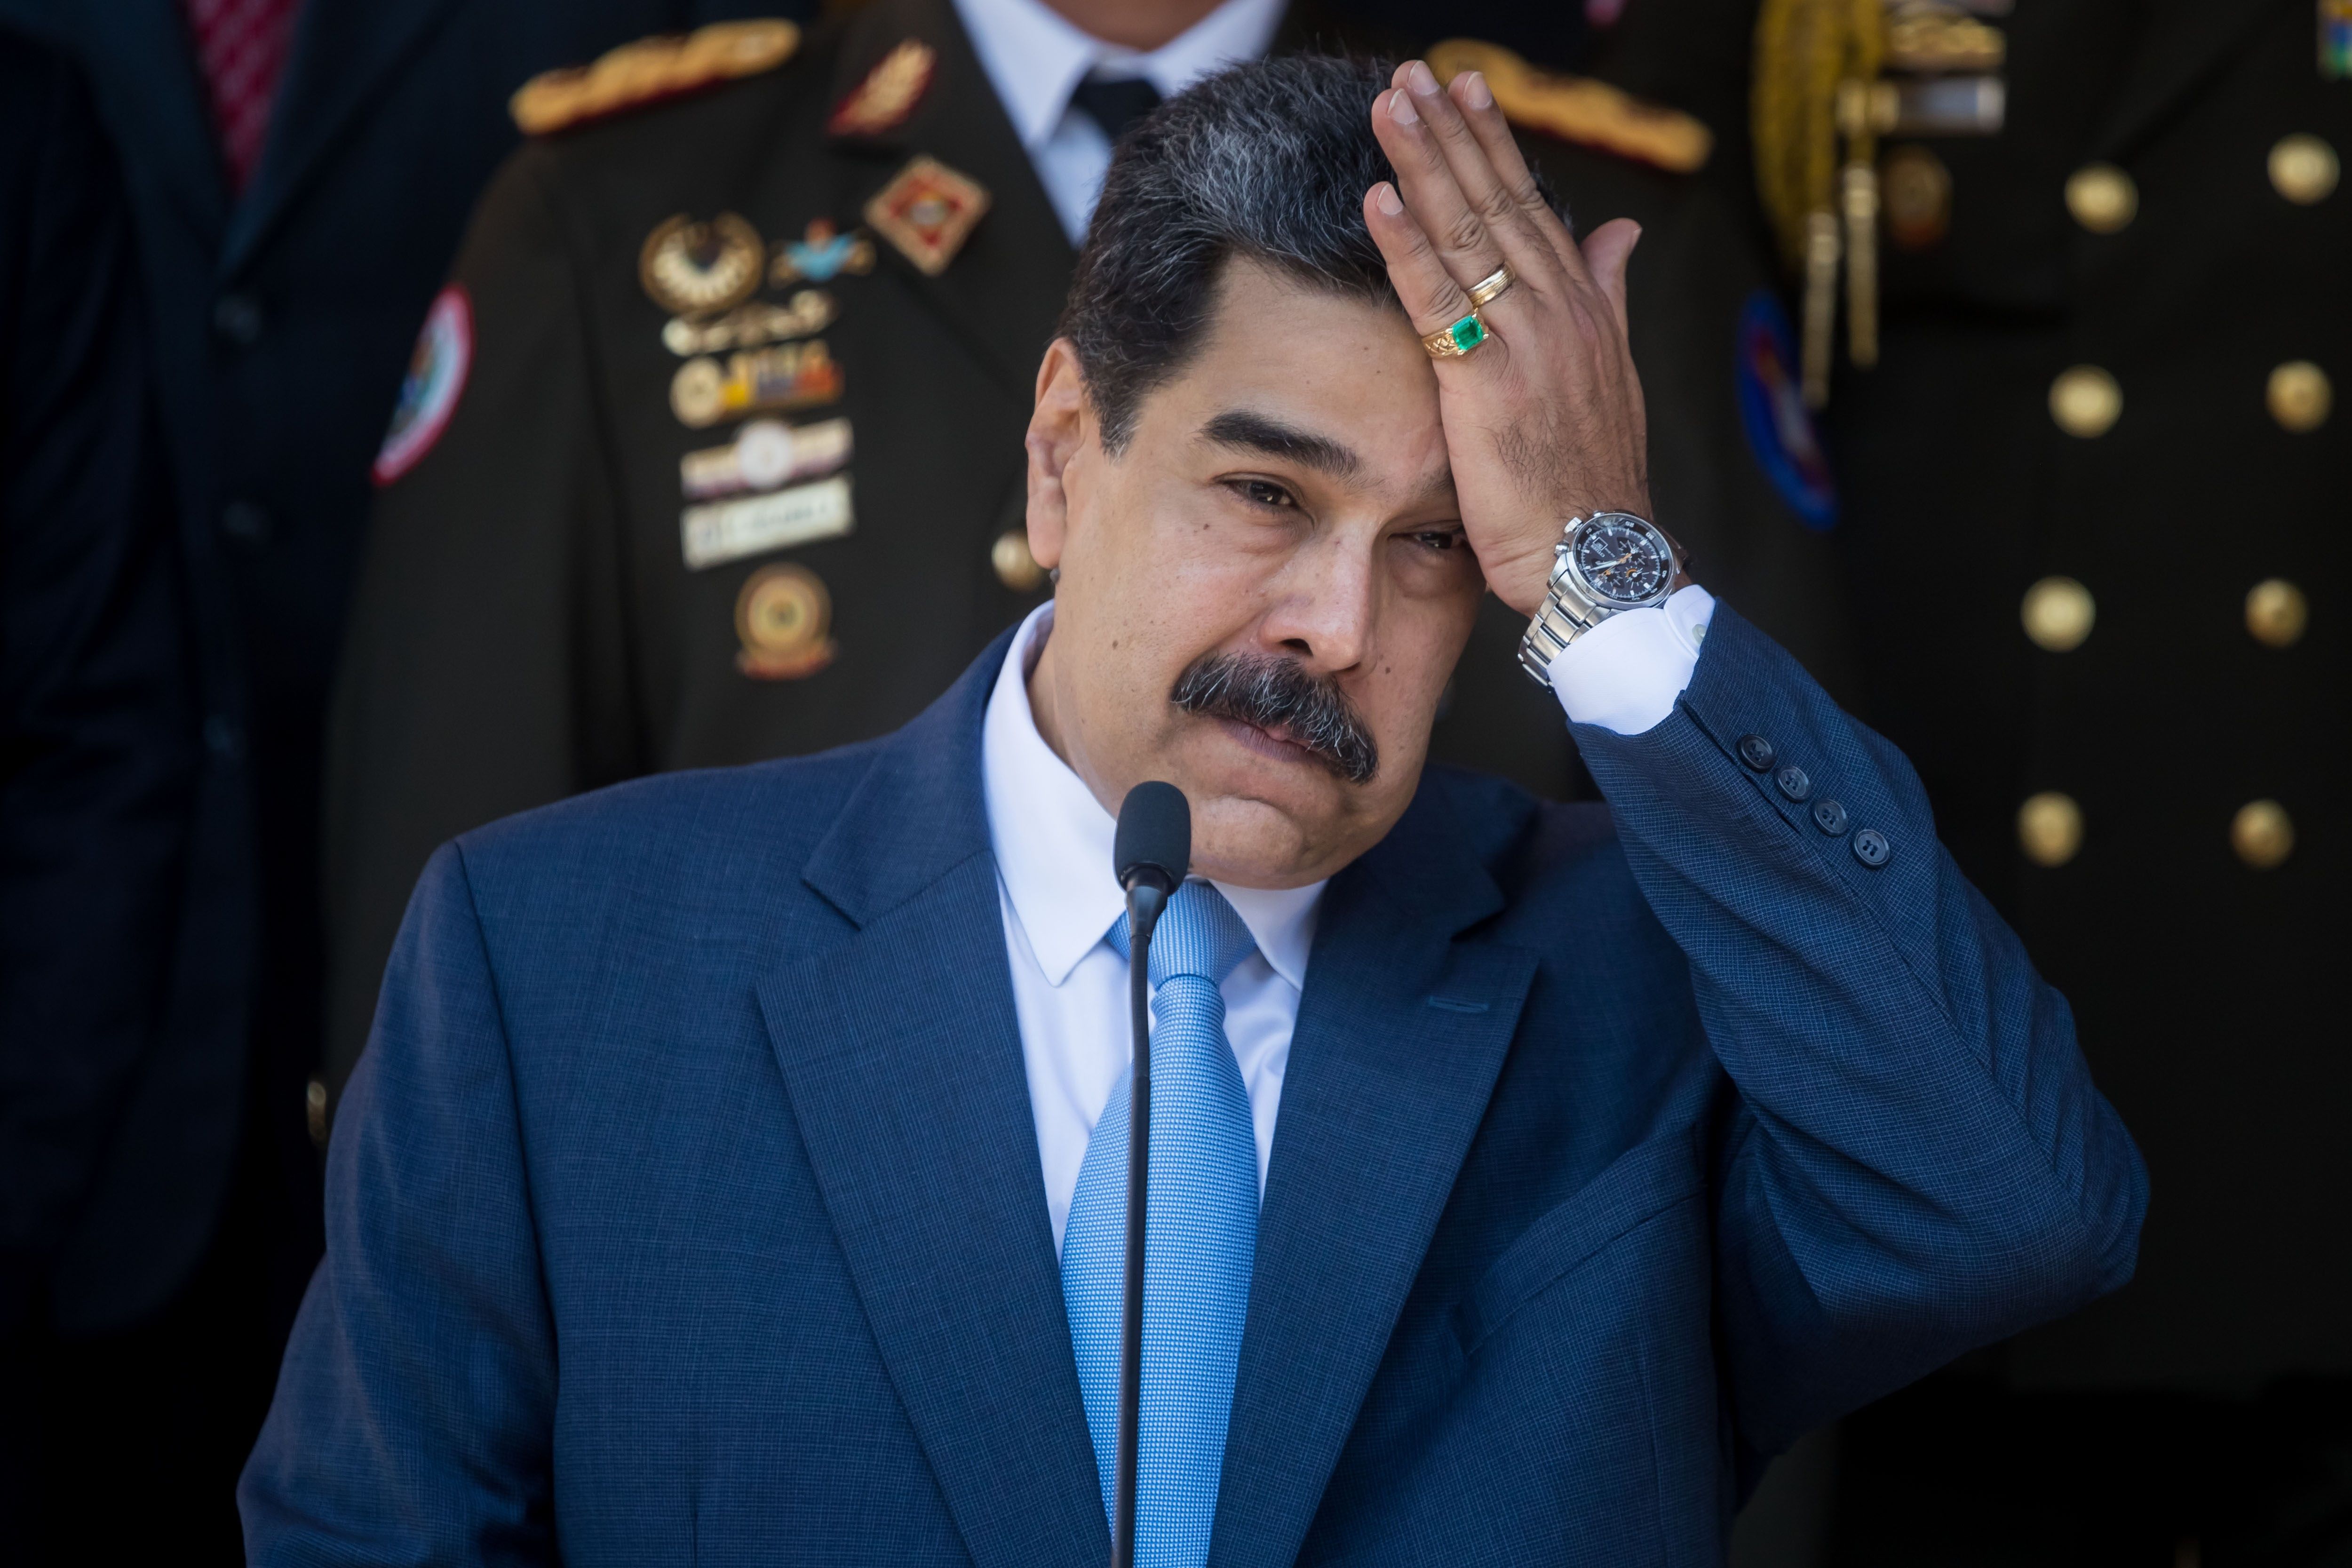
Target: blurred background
[{"x": 348, "y": 349}]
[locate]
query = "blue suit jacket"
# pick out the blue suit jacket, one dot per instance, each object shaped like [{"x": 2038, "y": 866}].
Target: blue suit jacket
[{"x": 687, "y": 1205}]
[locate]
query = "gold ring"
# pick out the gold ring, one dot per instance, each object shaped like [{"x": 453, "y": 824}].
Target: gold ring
[
  {"x": 1460, "y": 338},
  {"x": 1493, "y": 286}
]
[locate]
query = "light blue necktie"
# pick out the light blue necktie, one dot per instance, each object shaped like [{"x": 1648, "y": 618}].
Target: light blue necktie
[{"x": 1199, "y": 1237}]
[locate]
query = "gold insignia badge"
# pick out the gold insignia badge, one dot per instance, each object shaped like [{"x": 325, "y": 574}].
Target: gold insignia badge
[
  {"x": 783, "y": 616},
  {"x": 1579, "y": 108},
  {"x": 808, "y": 312},
  {"x": 928, "y": 210},
  {"x": 650, "y": 70},
  {"x": 769, "y": 380},
  {"x": 691, "y": 267},
  {"x": 888, "y": 94}
]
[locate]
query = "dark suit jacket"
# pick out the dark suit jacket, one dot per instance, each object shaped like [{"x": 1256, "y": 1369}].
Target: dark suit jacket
[
  {"x": 98, "y": 734},
  {"x": 686, "y": 1204},
  {"x": 282, "y": 323}
]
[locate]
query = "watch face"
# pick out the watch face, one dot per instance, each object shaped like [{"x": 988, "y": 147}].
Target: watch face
[{"x": 1623, "y": 561}]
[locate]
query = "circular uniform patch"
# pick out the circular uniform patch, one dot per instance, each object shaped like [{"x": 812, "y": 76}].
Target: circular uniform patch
[
  {"x": 436, "y": 375},
  {"x": 783, "y": 616},
  {"x": 1772, "y": 406}
]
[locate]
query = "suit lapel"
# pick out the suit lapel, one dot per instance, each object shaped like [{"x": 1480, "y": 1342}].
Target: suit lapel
[
  {"x": 902, "y": 1058},
  {"x": 1002, "y": 292},
  {"x": 2183, "y": 44},
  {"x": 140, "y": 52},
  {"x": 343, "y": 50},
  {"x": 1401, "y": 1034}
]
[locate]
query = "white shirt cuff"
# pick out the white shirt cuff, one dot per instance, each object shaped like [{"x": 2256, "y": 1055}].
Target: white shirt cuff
[{"x": 1625, "y": 673}]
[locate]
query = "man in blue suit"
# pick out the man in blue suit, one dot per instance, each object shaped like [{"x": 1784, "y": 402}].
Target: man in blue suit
[{"x": 734, "y": 1170}]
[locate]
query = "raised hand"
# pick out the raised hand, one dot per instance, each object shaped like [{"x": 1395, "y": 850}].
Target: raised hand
[{"x": 1543, "y": 417}]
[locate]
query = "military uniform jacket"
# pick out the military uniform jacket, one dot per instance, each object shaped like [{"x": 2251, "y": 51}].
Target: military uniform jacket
[
  {"x": 541, "y": 613},
  {"x": 2092, "y": 437}
]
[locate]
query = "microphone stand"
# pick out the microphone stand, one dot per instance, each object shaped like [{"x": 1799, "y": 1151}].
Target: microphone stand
[{"x": 1145, "y": 900}]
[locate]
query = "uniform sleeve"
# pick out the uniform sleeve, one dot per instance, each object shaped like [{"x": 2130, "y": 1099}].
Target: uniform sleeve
[
  {"x": 485, "y": 667},
  {"x": 414, "y": 1416},
  {"x": 1917, "y": 1162},
  {"x": 97, "y": 722}
]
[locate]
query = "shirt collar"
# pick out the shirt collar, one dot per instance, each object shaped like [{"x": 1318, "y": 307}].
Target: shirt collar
[
  {"x": 1053, "y": 839},
  {"x": 1035, "y": 58}
]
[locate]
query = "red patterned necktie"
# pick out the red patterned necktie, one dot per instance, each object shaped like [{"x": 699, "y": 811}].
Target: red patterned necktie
[{"x": 242, "y": 46}]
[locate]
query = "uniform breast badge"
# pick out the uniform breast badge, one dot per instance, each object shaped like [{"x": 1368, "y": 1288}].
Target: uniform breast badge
[
  {"x": 888, "y": 94},
  {"x": 428, "y": 395},
  {"x": 808, "y": 312},
  {"x": 765, "y": 453},
  {"x": 928, "y": 210},
  {"x": 821, "y": 255},
  {"x": 695, "y": 268},
  {"x": 719, "y": 531},
  {"x": 783, "y": 616},
  {"x": 778, "y": 379}
]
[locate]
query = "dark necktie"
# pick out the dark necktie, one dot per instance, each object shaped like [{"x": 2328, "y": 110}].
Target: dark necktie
[
  {"x": 241, "y": 47},
  {"x": 1115, "y": 105}
]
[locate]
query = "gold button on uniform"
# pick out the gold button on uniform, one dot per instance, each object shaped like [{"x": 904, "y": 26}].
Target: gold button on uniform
[
  {"x": 2303, "y": 169},
  {"x": 2086, "y": 401},
  {"x": 1015, "y": 567},
  {"x": 2276, "y": 612},
  {"x": 2263, "y": 834},
  {"x": 2102, "y": 198},
  {"x": 2050, "y": 828},
  {"x": 2058, "y": 613},
  {"x": 314, "y": 1110},
  {"x": 2299, "y": 395}
]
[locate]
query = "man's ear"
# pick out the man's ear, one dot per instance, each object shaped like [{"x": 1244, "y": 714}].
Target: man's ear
[{"x": 1057, "y": 428}]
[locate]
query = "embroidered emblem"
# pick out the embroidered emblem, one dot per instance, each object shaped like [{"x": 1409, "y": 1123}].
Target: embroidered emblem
[
  {"x": 888, "y": 94},
  {"x": 1772, "y": 406},
  {"x": 928, "y": 210},
  {"x": 784, "y": 377},
  {"x": 428, "y": 393},
  {"x": 781, "y": 617},
  {"x": 822, "y": 254},
  {"x": 691, "y": 267}
]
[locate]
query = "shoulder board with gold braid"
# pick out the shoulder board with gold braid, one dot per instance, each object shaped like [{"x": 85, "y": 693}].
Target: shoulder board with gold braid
[
  {"x": 1579, "y": 108},
  {"x": 650, "y": 70}
]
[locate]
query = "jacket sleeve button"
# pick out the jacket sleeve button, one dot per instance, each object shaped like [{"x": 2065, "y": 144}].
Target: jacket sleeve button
[
  {"x": 1870, "y": 848},
  {"x": 1756, "y": 751},
  {"x": 1828, "y": 817},
  {"x": 1793, "y": 782}
]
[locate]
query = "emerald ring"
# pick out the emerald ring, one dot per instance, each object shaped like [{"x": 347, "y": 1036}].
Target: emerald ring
[{"x": 1453, "y": 341}]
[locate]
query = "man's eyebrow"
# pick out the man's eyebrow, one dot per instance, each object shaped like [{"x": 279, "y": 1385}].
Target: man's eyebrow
[{"x": 1250, "y": 432}]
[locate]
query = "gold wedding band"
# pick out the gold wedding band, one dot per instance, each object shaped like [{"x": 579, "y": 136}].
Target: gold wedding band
[{"x": 1493, "y": 286}]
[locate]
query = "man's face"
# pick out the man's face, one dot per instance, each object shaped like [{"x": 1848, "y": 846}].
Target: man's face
[{"x": 1262, "y": 595}]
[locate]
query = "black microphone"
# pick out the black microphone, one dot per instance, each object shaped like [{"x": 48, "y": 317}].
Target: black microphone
[{"x": 1151, "y": 852}]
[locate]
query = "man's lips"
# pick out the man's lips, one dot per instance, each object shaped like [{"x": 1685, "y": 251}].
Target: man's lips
[{"x": 1267, "y": 742}]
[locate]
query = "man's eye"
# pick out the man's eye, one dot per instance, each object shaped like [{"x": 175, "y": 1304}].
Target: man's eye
[
  {"x": 1264, "y": 493},
  {"x": 1439, "y": 539}
]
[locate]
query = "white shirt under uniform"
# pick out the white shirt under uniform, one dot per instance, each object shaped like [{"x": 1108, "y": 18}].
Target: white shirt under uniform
[{"x": 1059, "y": 896}]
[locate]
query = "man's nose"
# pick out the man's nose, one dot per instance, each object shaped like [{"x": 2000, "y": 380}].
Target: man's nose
[{"x": 1325, "y": 606}]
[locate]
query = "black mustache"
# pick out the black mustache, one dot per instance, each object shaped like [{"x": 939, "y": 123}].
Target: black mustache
[{"x": 1278, "y": 696}]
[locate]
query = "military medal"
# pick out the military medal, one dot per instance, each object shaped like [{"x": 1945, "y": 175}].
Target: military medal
[
  {"x": 693, "y": 268},
  {"x": 782, "y": 616},
  {"x": 786, "y": 377},
  {"x": 888, "y": 94},
  {"x": 807, "y": 314},
  {"x": 428, "y": 395},
  {"x": 765, "y": 454},
  {"x": 927, "y": 211},
  {"x": 821, "y": 255}
]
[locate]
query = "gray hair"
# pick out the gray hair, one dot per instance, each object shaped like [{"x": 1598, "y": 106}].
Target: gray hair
[{"x": 1269, "y": 161}]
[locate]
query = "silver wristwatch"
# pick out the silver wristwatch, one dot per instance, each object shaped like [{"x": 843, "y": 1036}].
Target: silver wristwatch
[{"x": 1603, "y": 565}]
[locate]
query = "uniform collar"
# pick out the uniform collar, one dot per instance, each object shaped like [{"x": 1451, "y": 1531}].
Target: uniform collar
[
  {"x": 1053, "y": 839},
  {"x": 1035, "y": 59}
]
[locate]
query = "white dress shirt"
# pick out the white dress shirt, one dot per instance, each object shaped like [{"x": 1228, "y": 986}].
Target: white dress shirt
[
  {"x": 1035, "y": 59},
  {"x": 1056, "y": 887}
]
